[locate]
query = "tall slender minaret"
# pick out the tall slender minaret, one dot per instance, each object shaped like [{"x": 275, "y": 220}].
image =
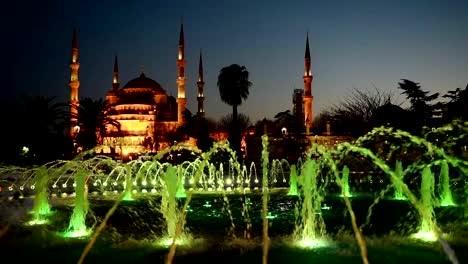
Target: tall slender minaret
[
  {"x": 308, "y": 98},
  {"x": 181, "y": 100},
  {"x": 74, "y": 86},
  {"x": 111, "y": 96},
  {"x": 115, "y": 80},
  {"x": 200, "y": 84}
]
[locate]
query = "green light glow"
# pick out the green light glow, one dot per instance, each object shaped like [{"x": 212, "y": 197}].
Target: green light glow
[
  {"x": 345, "y": 188},
  {"x": 447, "y": 203},
  {"x": 398, "y": 195},
  {"x": 309, "y": 243},
  {"x": 446, "y": 198},
  {"x": 128, "y": 197},
  {"x": 76, "y": 233},
  {"x": 425, "y": 236},
  {"x": 167, "y": 242},
  {"x": 426, "y": 230},
  {"x": 37, "y": 222},
  {"x": 77, "y": 226},
  {"x": 207, "y": 204},
  {"x": 41, "y": 203},
  {"x": 180, "y": 185},
  {"x": 293, "y": 182},
  {"x": 270, "y": 216}
]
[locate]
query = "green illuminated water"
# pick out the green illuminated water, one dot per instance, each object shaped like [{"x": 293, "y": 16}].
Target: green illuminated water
[
  {"x": 77, "y": 226},
  {"x": 293, "y": 182},
  {"x": 310, "y": 229},
  {"x": 308, "y": 181},
  {"x": 345, "y": 190},
  {"x": 446, "y": 198},
  {"x": 265, "y": 191},
  {"x": 427, "y": 227},
  {"x": 180, "y": 184},
  {"x": 398, "y": 194},
  {"x": 128, "y": 183},
  {"x": 41, "y": 207},
  {"x": 168, "y": 200}
]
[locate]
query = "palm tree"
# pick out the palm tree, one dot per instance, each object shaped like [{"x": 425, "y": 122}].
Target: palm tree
[
  {"x": 93, "y": 120},
  {"x": 234, "y": 84}
]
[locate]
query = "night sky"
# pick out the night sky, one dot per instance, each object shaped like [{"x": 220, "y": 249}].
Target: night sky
[{"x": 354, "y": 44}]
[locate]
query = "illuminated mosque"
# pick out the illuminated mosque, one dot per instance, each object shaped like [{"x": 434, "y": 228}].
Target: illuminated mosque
[
  {"x": 143, "y": 109},
  {"x": 146, "y": 114}
]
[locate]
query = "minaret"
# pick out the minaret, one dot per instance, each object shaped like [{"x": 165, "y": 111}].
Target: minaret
[
  {"x": 181, "y": 100},
  {"x": 308, "y": 98},
  {"x": 111, "y": 96},
  {"x": 115, "y": 80},
  {"x": 200, "y": 84},
  {"x": 74, "y": 86}
]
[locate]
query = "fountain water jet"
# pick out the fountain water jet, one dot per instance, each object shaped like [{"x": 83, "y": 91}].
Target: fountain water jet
[
  {"x": 444, "y": 185},
  {"x": 293, "y": 182},
  {"x": 41, "y": 207},
  {"x": 345, "y": 190},
  {"x": 265, "y": 190},
  {"x": 398, "y": 195},
  {"x": 427, "y": 229},
  {"x": 310, "y": 231},
  {"x": 77, "y": 226}
]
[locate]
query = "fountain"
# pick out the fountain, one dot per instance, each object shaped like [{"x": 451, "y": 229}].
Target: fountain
[
  {"x": 41, "y": 209},
  {"x": 77, "y": 226},
  {"x": 170, "y": 208},
  {"x": 293, "y": 182},
  {"x": 398, "y": 195},
  {"x": 446, "y": 198},
  {"x": 310, "y": 231},
  {"x": 345, "y": 181},
  {"x": 427, "y": 229}
]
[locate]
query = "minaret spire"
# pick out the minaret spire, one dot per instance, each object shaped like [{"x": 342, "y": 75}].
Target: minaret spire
[
  {"x": 115, "y": 80},
  {"x": 74, "y": 85},
  {"x": 181, "y": 100},
  {"x": 308, "y": 98},
  {"x": 307, "y": 51},
  {"x": 200, "y": 85}
]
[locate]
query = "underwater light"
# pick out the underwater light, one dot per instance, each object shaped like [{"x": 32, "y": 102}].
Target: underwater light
[
  {"x": 83, "y": 233},
  {"x": 37, "y": 222},
  {"x": 425, "y": 236},
  {"x": 309, "y": 243}
]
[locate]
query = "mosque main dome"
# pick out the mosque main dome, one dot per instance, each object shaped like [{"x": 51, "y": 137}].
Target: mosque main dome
[{"x": 145, "y": 82}]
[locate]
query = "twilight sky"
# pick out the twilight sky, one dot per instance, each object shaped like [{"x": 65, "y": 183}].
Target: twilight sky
[{"x": 354, "y": 44}]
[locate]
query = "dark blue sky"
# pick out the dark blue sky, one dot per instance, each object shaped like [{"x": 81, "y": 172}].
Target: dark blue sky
[{"x": 353, "y": 44}]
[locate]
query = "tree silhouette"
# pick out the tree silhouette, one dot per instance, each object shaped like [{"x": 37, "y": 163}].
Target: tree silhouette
[
  {"x": 422, "y": 109},
  {"x": 243, "y": 122},
  {"x": 457, "y": 106},
  {"x": 234, "y": 84},
  {"x": 354, "y": 114}
]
